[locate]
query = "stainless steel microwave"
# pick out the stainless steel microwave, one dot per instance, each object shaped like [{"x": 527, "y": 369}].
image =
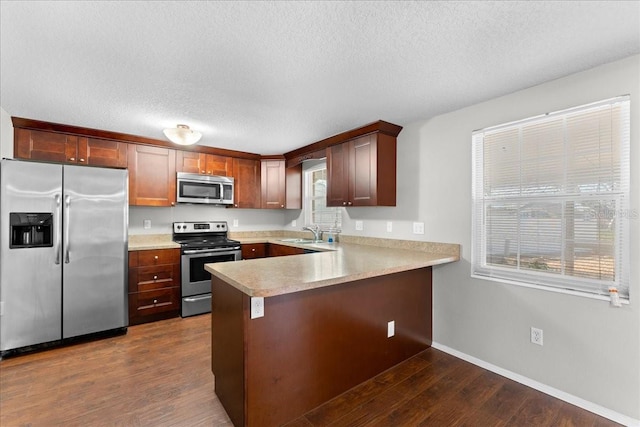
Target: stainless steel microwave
[{"x": 213, "y": 190}]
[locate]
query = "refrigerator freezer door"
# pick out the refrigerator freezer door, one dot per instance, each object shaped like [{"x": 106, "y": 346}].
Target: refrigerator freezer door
[
  {"x": 30, "y": 278},
  {"x": 95, "y": 253}
]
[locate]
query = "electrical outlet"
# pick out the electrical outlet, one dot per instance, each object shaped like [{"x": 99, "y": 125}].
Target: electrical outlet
[
  {"x": 536, "y": 336},
  {"x": 146, "y": 224},
  {"x": 418, "y": 228},
  {"x": 257, "y": 307},
  {"x": 391, "y": 328},
  {"x": 359, "y": 226},
  {"x": 389, "y": 226},
  {"x": 293, "y": 223},
  {"x": 235, "y": 222}
]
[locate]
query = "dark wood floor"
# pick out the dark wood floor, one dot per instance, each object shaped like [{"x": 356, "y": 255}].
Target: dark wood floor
[{"x": 159, "y": 374}]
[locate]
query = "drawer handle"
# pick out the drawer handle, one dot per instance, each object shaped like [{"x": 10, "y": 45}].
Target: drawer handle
[
  {"x": 155, "y": 301},
  {"x": 155, "y": 277},
  {"x": 155, "y": 257}
]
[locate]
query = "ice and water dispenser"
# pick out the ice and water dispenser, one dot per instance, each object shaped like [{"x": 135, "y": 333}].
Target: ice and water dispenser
[{"x": 31, "y": 230}]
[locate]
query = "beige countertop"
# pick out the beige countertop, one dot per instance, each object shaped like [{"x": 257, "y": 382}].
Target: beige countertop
[
  {"x": 142, "y": 242},
  {"x": 336, "y": 263}
]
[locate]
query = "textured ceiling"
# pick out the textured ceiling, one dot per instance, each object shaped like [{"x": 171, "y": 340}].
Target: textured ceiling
[{"x": 269, "y": 77}]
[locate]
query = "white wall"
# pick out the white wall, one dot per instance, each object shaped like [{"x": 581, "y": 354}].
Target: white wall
[
  {"x": 162, "y": 218},
  {"x": 6, "y": 135},
  {"x": 590, "y": 350}
]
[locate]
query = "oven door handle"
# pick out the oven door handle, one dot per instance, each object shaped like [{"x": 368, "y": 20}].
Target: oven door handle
[
  {"x": 196, "y": 299},
  {"x": 207, "y": 251}
]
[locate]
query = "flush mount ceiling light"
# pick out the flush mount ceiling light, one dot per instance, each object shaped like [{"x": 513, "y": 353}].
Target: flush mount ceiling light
[{"x": 182, "y": 135}]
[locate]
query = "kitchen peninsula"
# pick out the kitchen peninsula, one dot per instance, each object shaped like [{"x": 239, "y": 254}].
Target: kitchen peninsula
[{"x": 326, "y": 323}]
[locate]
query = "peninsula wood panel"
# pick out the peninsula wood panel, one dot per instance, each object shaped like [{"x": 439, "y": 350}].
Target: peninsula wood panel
[{"x": 313, "y": 345}]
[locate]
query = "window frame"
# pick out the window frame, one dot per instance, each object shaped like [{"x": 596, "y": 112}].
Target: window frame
[
  {"x": 307, "y": 199},
  {"x": 569, "y": 284}
]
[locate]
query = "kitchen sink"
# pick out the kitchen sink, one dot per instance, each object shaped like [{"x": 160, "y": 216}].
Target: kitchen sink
[{"x": 301, "y": 241}]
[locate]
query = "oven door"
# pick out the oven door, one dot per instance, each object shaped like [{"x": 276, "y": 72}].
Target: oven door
[{"x": 195, "y": 279}]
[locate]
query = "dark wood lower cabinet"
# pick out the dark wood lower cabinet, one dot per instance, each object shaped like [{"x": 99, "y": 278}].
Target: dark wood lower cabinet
[
  {"x": 154, "y": 285},
  {"x": 274, "y": 249},
  {"x": 313, "y": 345}
]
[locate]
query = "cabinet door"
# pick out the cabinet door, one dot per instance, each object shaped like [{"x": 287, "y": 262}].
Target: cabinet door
[
  {"x": 219, "y": 165},
  {"x": 46, "y": 146},
  {"x": 283, "y": 250},
  {"x": 362, "y": 171},
  {"x": 152, "y": 176},
  {"x": 293, "y": 187},
  {"x": 247, "y": 183},
  {"x": 254, "y": 250},
  {"x": 273, "y": 184},
  {"x": 338, "y": 175},
  {"x": 190, "y": 162},
  {"x": 102, "y": 152}
]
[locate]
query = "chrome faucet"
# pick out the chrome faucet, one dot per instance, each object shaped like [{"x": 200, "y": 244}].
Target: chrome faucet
[{"x": 317, "y": 233}]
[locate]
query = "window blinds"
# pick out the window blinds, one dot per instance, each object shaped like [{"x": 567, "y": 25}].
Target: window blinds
[{"x": 550, "y": 199}]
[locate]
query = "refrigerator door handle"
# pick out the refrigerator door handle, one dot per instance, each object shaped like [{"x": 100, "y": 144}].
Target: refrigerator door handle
[
  {"x": 67, "y": 207},
  {"x": 58, "y": 228}
]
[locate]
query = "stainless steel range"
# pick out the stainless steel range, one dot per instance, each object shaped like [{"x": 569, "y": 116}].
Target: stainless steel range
[{"x": 201, "y": 243}]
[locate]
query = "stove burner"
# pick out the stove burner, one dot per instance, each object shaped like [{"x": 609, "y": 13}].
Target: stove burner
[{"x": 203, "y": 235}]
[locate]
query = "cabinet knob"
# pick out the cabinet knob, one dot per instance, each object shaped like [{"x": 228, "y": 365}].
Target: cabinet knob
[
  {"x": 82, "y": 160},
  {"x": 155, "y": 257},
  {"x": 349, "y": 203},
  {"x": 155, "y": 301},
  {"x": 72, "y": 159},
  {"x": 155, "y": 277},
  {"x": 203, "y": 172},
  {"x": 253, "y": 249},
  {"x": 282, "y": 206},
  {"x": 344, "y": 203}
]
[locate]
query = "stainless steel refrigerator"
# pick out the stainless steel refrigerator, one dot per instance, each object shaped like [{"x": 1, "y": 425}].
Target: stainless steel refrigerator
[{"x": 63, "y": 252}]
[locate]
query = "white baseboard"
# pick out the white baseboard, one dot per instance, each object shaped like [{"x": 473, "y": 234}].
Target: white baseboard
[{"x": 559, "y": 394}]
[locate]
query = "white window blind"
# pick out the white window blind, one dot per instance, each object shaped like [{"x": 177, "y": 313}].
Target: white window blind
[
  {"x": 550, "y": 199},
  {"x": 316, "y": 210}
]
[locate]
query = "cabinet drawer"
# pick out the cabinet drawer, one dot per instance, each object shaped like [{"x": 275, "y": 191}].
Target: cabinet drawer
[
  {"x": 157, "y": 277},
  {"x": 159, "y": 257},
  {"x": 151, "y": 302}
]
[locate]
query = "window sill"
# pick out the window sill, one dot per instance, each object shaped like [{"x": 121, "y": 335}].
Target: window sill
[{"x": 624, "y": 301}]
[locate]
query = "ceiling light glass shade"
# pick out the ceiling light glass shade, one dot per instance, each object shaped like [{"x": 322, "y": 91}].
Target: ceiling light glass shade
[{"x": 182, "y": 135}]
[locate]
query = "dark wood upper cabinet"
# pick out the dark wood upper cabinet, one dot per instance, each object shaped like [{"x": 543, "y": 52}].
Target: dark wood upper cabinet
[
  {"x": 293, "y": 187},
  {"x": 152, "y": 176},
  {"x": 63, "y": 148},
  {"x": 273, "y": 184},
  {"x": 247, "y": 191},
  {"x": 281, "y": 186},
  {"x": 203, "y": 163},
  {"x": 362, "y": 172},
  {"x": 102, "y": 152}
]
